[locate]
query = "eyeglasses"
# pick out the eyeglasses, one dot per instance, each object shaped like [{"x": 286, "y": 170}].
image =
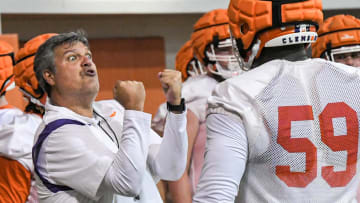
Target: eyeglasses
[{"x": 12, "y": 55}]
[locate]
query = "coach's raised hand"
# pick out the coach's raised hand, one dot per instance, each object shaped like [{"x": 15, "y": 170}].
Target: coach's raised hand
[
  {"x": 171, "y": 83},
  {"x": 130, "y": 94}
]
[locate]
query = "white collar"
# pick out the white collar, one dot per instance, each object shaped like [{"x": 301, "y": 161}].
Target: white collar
[{"x": 53, "y": 112}]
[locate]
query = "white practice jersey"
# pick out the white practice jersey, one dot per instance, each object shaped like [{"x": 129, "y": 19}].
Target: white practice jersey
[
  {"x": 17, "y": 131},
  {"x": 300, "y": 121},
  {"x": 195, "y": 91}
]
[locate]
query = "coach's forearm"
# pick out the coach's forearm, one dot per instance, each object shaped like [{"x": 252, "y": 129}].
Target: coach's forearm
[
  {"x": 126, "y": 173},
  {"x": 168, "y": 161}
]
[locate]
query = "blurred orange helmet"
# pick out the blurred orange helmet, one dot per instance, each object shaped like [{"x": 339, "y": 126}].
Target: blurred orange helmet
[
  {"x": 186, "y": 62},
  {"x": 24, "y": 73},
  {"x": 6, "y": 67},
  {"x": 337, "y": 35},
  {"x": 212, "y": 32},
  {"x": 256, "y": 24}
]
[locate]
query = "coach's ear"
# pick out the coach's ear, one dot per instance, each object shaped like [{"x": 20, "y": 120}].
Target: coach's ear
[{"x": 49, "y": 77}]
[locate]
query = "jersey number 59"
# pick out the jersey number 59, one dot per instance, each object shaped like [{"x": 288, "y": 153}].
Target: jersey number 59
[{"x": 348, "y": 142}]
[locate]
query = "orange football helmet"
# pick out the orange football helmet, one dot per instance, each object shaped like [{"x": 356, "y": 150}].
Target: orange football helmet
[
  {"x": 212, "y": 45},
  {"x": 24, "y": 73},
  {"x": 256, "y": 24},
  {"x": 6, "y": 67},
  {"x": 338, "y": 35},
  {"x": 187, "y": 63}
]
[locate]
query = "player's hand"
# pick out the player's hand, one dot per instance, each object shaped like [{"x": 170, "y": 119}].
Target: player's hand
[
  {"x": 171, "y": 83},
  {"x": 130, "y": 94}
]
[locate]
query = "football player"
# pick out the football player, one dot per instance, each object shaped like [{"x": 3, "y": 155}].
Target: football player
[
  {"x": 15, "y": 145},
  {"x": 25, "y": 79},
  {"x": 288, "y": 129},
  {"x": 339, "y": 40},
  {"x": 212, "y": 47},
  {"x": 189, "y": 67}
]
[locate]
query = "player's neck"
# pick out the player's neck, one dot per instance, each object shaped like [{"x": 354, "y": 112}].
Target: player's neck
[{"x": 290, "y": 53}]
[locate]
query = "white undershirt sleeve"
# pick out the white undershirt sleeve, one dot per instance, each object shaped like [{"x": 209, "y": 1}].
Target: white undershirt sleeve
[
  {"x": 126, "y": 173},
  {"x": 167, "y": 161},
  {"x": 225, "y": 160}
]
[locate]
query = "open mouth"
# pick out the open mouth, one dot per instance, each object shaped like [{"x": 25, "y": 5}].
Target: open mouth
[{"x": 90, "y": 72}]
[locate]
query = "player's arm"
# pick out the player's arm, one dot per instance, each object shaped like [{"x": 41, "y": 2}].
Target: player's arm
[
  {"x": 180, "y": 190},
  {"x": 167, "y": 161},
  {"x": 225, "y": 160}
]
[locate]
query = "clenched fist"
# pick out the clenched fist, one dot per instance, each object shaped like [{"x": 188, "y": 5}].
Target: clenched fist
[
  {"x": 171, "y": 83},
  {"x": 130, "y": 94}
]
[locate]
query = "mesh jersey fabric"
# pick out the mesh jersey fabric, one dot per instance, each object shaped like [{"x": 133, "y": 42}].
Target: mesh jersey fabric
[{"x": 302, "y": 128}]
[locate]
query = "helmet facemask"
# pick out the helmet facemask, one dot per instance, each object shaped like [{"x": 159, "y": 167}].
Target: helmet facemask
[
  {"x": 222, "y": 59},
  {"x": 195, "y": 68},
  {"x": 245, "y": 64},
  {"x": 342, "y": 54}
]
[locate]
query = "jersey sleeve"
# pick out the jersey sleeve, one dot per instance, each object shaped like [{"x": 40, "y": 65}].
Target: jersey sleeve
[
  {"x": 16, "y": 138},
  {"x": 225, "y": 160}
]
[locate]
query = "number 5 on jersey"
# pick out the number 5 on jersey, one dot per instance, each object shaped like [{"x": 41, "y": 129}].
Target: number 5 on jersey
[{"x": 349, "y": 143}]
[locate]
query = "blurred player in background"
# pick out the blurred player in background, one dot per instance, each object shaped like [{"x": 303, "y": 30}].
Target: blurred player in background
[
  {"x": 16, "y": 137},
  {"x": 26, "y": 81},
  {"x": 17, "y": 127},
  {"x": 189, "y": 67},
  {"x": 339, "y": 40},
  {"x": 212, "y": 47}
]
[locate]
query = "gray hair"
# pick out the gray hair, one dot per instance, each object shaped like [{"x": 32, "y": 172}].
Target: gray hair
[{"x": 45, "y": 57}]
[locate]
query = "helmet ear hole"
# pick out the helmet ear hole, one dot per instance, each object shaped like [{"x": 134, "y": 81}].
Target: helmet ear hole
[{"x": 244, "y": 28}]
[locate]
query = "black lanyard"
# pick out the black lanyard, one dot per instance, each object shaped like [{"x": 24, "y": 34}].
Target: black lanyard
[
  {"x": 117, "y": 142},
  {"x": 108, "y": 125}
]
